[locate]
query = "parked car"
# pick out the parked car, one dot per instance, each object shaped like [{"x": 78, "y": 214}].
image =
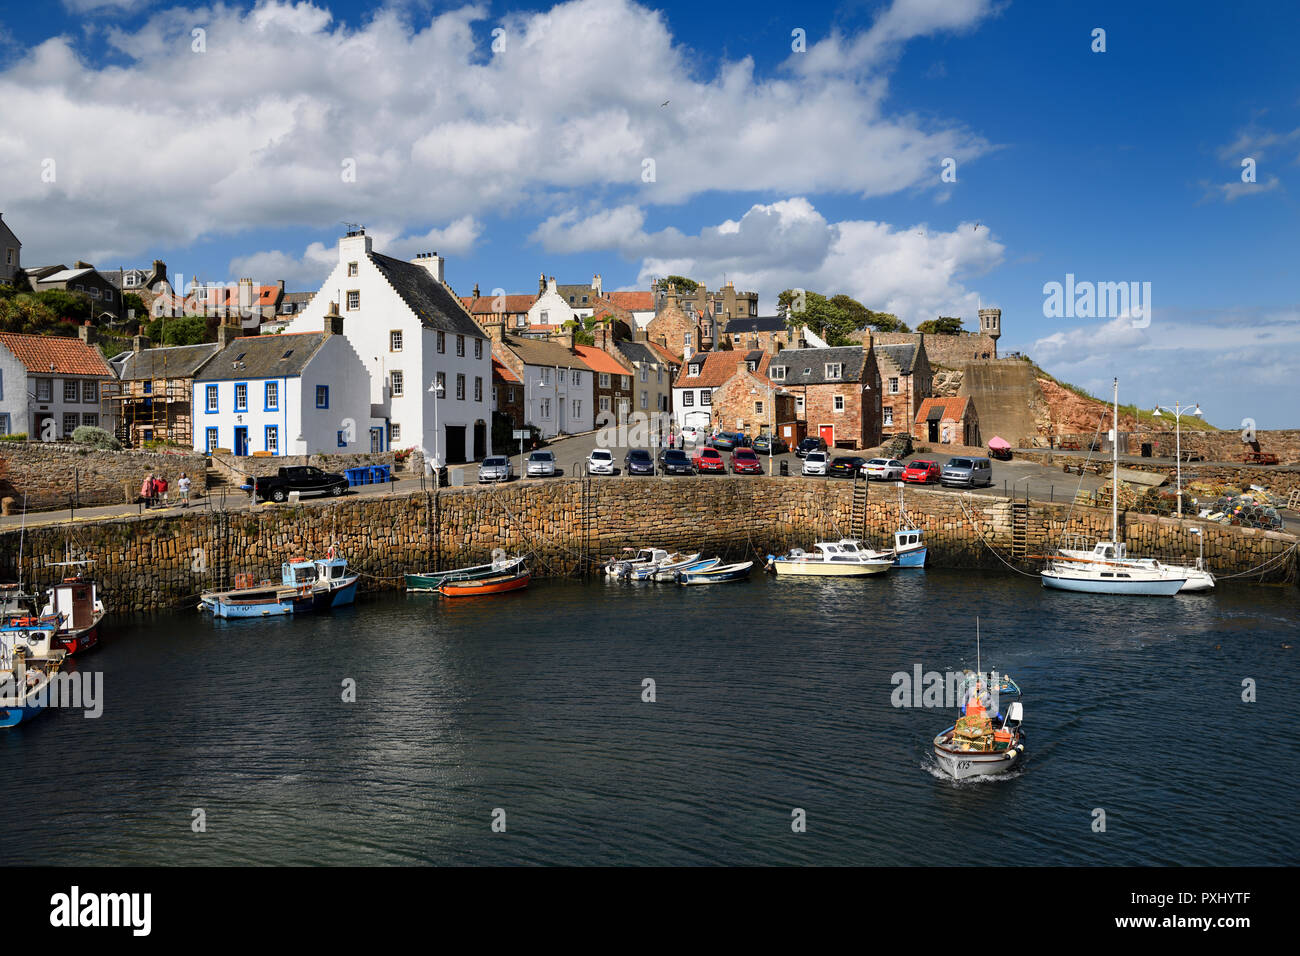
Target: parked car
[
  {"x": 884, "y": 469},
  {"x": 767, "y": 445},
  {"x": 638, "y": 462},
  {"x": 674, "y": 461},
  {"x": 811, "y": 443},
  {"x": 691, "y": 434},
  {"x": 725, "y": 441},
  {"x": 600, "y": 462},
  {"x": 304, "y": 479},
  {"x": 496, "y": 468},
  {"x": 814, "y": 463},
  {"x": 745, "y": 462},
  {"x": 846, "y": 466},
  {"x": 968, "y": 472},
  {"x": 922, "y": 472},
  {"x": 709, "y": 459},
  {"x": 541, "y": 464}
]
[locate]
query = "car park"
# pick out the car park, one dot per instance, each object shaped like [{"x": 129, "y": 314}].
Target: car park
[
  {"x": 809, "y": 444},
  {"x": 846, "y": 466},
  {"x": 496, "y": 468},
  {"x": 814, "y": 463},
  {"x": 600, "y": 462},
  {"x": 765, "y": 444},
  {"x": 674, "y": 461},
  {"x": 884, "y": 469},
  {"x": 709, "y": 460},
  {"x": 967, "y": 472},
  {"x": 922, "y": 472},
  {"x": 638, "y": 462},
  {"x": 726, "y": 441},
  {"x": 745, "y": 462},
  {"x": 540, "y": 464}
]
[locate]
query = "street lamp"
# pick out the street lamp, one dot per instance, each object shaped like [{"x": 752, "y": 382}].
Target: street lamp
[
  {"x": 436, "y": 390},
  {"x": 1178, "y": 411},
  {"x": 532, "y": 389}
]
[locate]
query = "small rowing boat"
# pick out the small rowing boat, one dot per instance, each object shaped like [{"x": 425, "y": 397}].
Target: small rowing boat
[
  {"x": 718, "y": 574},
  {"x": 670, "y": 573},
  {"x": 674, "y": 562},
  {"x": 432, "y": 580},
  {"x": 497, "y": 584}
]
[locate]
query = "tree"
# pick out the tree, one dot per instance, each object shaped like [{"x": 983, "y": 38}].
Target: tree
[
  {"x": 131, "y": 300},
  {"x": 837, "y": 318},
  {"x": 943, "y": 325},
  {"x": 182, "y": 330},
  {"x": 65, "y": 304},
  {"x": 27, "y": 313},
  {"x": 682, "y": 283}
]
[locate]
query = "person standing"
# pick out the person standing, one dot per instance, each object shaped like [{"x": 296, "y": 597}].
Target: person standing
[
  {"x": 146, "y": 490},
  {"x": 183, "y": 487},
  {"x": 160, "y": 489}
]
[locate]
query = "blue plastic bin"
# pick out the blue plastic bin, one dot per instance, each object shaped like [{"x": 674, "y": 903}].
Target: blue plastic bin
[
  {"x": 380, "y": 474},
  {"x": 357, "y": 476}
]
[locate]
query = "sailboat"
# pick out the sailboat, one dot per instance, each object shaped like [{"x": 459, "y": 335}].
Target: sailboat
[{"x": 1108, "y": 569}]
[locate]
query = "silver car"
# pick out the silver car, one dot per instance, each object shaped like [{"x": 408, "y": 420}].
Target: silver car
[
  {"x": 541, "y": 464},
  {"x": 967, "y": 471},
  {"x": 815, "y": 463},
  {"x": 496, "y": 468}
]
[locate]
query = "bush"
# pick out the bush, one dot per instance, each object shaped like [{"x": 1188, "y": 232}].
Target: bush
[
  {"x": 96, "y": 438},
  {"x": 16, "y": 436}
]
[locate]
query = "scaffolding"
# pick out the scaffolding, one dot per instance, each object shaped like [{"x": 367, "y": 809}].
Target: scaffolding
[{"x": 157, "y": 409}]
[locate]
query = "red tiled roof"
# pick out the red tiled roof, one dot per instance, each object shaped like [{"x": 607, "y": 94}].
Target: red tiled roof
[
  {"x": 666, "y": 355},
  {"x": 487, "y": 304},
  {"x": 52, "y": 353},
  {"x": 633, "y": 301},
  {"x": 717, "y": 368},
  {"x": 600, "y": 361},
  {"x": 502, "y": 371},
  {"x": 954, "y": 409}
]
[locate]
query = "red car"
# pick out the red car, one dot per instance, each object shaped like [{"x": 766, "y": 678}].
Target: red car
[
  {"x": 745, "y": 462},
  {"x": 709, "y": 459},
  {"x": 922, "y": 472}
]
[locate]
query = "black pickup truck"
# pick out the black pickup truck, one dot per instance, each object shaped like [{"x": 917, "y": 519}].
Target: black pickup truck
[{"x": 303, "y": 479}]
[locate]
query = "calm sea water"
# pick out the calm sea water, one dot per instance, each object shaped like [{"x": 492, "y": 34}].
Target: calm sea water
[{"x": 771, "y": 695}]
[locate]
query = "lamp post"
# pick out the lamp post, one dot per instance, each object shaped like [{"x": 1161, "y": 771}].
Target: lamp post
[
  {"x": 532, "y": 390},
  {"x": 436, "y": 390},
  {"x": 1178, "y": 411}
]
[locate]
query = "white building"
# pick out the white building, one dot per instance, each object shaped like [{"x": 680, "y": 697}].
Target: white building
[
  {"x": 559, "y": 387},
  {"x": 288, "y": 394},
  {"x": 412, "y": 333},
  {"x": 551, "y": 308},
  {"x": 50, "y": 385}
]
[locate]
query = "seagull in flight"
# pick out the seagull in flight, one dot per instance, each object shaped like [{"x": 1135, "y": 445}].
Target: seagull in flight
[{"x": 664, "y": 103}]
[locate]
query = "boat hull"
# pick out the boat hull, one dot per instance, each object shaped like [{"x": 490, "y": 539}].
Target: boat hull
[
  {"x": 486, "y": 586},
  {"x": 721, "y": 575},
  {"x": 433, "y": 580},
  {"x": 911, "y": 559},
  {"x": 1162, "y": 587},
  {"x": 829, "y": 569},
  {"x": 960, "y": 764},
  {"x": 278, "y": 603}
]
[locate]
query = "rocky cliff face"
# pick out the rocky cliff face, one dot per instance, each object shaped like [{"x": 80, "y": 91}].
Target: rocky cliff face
[{"x": 1072, "y": 414}]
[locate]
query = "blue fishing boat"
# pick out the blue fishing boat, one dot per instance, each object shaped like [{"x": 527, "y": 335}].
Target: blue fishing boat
[
  {"x": 28, "y": 662},
  {"x": 716, "y": 575},
  {"x": 909, "y": 548},
  {"x": 306, "y": 585}
]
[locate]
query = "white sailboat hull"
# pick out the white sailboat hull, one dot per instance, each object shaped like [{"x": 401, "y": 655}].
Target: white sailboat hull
[{"x": 1090, "y": 583}]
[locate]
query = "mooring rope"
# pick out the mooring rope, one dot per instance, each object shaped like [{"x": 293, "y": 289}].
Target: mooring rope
[{"x": 995, "y": 551}]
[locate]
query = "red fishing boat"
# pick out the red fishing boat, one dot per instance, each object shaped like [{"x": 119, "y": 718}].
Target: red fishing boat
[
  {"x": 75, "y": 602},
  {"x": 498, "y": 584}
]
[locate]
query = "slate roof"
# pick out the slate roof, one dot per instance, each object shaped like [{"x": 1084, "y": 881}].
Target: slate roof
[
  {"x": 263, "y": 356},
  {"x": 760, "y": 323},
  {"x": 178, "y": 361},
  {"x": 431, "y": 301},
  {"x": 795, "y": 361},
  {"x": 543, "y": 352},
  {"x": 65, "y": 275},
  {"x": 640, "y": 352},
  {"x": 901, "y": 355},
  {"x": 54, "y": 354}
]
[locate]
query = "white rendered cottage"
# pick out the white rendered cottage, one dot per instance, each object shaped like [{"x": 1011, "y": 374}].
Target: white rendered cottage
[{"x": 412, "y": 332}]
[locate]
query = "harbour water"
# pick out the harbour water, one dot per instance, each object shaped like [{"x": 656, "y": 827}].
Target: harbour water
[{"x": 770, "y": 695}]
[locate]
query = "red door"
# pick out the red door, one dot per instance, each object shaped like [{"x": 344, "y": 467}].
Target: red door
[{"x": 827, "y": 433}]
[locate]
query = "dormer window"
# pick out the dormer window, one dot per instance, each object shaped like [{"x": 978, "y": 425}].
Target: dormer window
[
  {"x": 752, "y": 366},
  {"x": 695, "y": 370},
  {"x": 833, "y": 370},
  {"x": 776, "y": 373}
]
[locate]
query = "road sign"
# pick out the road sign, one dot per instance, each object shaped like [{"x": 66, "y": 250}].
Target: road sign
[{"x": 521, "y": 433}]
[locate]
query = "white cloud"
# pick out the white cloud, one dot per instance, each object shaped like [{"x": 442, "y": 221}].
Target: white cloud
[{"x": 256, "y": 131}]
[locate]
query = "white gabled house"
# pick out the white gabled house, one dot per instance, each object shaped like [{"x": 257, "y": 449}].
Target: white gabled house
[
  {"x": 411, "y": 332},
  {"x": 289, "y": 394}
]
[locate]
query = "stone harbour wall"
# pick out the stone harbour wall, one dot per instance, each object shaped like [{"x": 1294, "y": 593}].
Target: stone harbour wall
[
  {"x": 151, "y": 562},
  {"x": 51, "y": 473}
]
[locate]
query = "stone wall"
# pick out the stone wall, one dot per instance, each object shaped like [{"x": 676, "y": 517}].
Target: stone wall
[
  {"x": 155, "y": 561},
  {"x": 51, "y": 473}
]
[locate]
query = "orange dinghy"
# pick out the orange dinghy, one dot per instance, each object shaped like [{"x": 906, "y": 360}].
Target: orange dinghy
[{"x": 493, "y": 585}]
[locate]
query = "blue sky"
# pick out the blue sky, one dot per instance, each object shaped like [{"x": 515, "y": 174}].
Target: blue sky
[{"x": 818, "y": 169}]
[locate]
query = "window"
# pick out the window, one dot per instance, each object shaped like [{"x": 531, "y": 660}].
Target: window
[
  {"x": 546, "y": 376},
  {"x": 394, "y": 432},
  {"x": 659, "y": 372},
  {"x": 758, "y": 408},
  {"x": 272, "y": 396},
  {"x": 212, "y": 397},
  {"x": 460, "y": 388},
  {"x": 322, "y": 396},
  {"x": 440, "y": 380},
  {"x": 627, "y": 381},
  {"x": 584, "y": 300},
  {"x": 893, "y": 385},
  {"x": 889, "y": 416},
  {"x": 798, "y": 404},
  {"x": 460, "y": 346},
  {"x": 645, "y": 399},
  {"x": 210, "y": 439},
  {"x": 604, "y": 380},
  {"x": 686, "y": 339},
  {"x": 604, "y": 403},
  {"x": 645, "y": 374},
  {"x": 839, "y": 403},
  {"x": 577, "y": 408},
  {"x": 706, "y": 396},
  {"x": 71, "y": 390},
  {"x": 546, "y": 408},
  {"x": 442, "y": 342},
  {"x": 396, "y": 382},
  {"x": 478, "y": 348},
  {"x": 478, "y": 388},
  {"x": 44, "y": 389},
  {"x": 833, "y": 370},
  {"x": 69, "y": 424},
  {"x": 352, "y": 268},
  {"x": 510, "y": 394},
  {"x": 89, "y": 393},
  {"x": 9, "y": 260},
  {"x": 546, "y": 317},
  {"x": 395, "y": 340},
  {"x": 273, "y": 439},
  {"x": 688, "y": 398},
  {"x": 241, "y": 396},
  {"x": 354, "y": 300},
  {"x": 94, "y": 292},
  {"x": 776, "y": 373},
  {"x": 521, "y": 322}
]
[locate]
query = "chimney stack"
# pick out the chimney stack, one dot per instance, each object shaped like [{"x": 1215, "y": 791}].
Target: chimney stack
[
  {"x": 86, "y": 332},
  {"x": 496, "y": 331},
  {"x": 333, "y": 321},
  {"x": 139, "y": 343},
  {"x": 433, "y": 263},
  {"x": 541, "y": 284},
  {"x": 595, "y": 284},
  {"x": 227, "y": 334},
  {"x": 476, "y": 290}
]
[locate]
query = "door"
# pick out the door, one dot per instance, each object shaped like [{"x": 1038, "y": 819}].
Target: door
[
  {"x": 934, "y": 431},
  {"x": 241, "y": 440},
  {"x": 455, "y": 444},
  {"x": 376, "y": 439},
  {"x": 480, "y": 440},
  {"x": 827, "y": 433}
]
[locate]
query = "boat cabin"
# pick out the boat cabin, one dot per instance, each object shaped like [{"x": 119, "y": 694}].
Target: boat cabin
[
  {"x": 301, "y": 572},
  {"x": 74, "y": 600},
  {"x": 908, "y": 539}
]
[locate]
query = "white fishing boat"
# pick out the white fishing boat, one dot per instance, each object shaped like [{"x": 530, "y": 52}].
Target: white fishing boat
[
  {"x": 841, "y": 559},
  {"x": 1107, "y": 569},
  {"x": 978, "y": 744},
  {"x": 668, "y": 565},
  {"x": 632, "y": 559},
  {"x": 718, "y": 574}
]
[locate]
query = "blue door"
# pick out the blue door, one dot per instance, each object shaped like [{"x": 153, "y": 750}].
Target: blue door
[{"x": 241, "y": 441}]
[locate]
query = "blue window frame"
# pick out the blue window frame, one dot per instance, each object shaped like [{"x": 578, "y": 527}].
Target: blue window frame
[
  {"x": 211, "y": 439},
  {"x": 211, "y": 404},
  {"x": 272, "y": 394},
  {"x": 343, "y": 441},
  {"x": 322, "y": 396},
  {"x": 273, "y": 439},
  {"x": 241, "y": 396}
]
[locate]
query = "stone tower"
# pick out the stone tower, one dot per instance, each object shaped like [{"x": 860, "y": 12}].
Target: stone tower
[{"x": 991, "y": 325}]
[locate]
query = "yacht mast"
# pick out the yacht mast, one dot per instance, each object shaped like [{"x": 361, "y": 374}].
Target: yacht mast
[{"x": 1114, "y": 472}]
